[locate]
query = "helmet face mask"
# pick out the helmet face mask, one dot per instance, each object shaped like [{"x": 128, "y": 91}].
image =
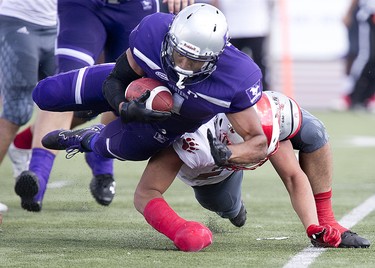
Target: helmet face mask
[{"x": 199, "y": 32}]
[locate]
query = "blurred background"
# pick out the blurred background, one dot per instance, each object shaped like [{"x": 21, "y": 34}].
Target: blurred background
[{"x": 305, "y": 46}]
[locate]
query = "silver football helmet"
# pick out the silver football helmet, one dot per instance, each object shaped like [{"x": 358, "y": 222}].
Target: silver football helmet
[{"x": 199, "y": 32}]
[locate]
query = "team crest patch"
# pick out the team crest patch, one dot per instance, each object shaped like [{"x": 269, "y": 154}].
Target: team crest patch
[
  {"x": 162, "y": 75},
  {"x": 160, "y": 137},
  {"x": 190, "y": 145},
  {"x": 254, "y": 92},
  {"x": 147, "y": 4}
]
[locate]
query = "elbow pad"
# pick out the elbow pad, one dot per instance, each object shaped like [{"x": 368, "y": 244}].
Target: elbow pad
[{"x": 117, "y": 81}]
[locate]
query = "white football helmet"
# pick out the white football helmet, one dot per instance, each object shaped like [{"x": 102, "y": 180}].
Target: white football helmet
[
  {"x": 290, "y": 114},
  {"x": 198, "y": 32},
  {"x": 268, "y": 114}
]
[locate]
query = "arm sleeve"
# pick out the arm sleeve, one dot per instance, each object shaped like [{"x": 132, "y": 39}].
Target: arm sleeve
[{"x": 117, "y": 81}]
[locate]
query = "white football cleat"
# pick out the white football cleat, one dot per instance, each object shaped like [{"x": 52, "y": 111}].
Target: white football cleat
[
  {"x": 3, "y": 208},
  {"x": 20, "y": 159}
]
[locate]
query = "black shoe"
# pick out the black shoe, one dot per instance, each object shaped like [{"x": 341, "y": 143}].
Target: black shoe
[
  {"x": 72, "y": 141},
  {"x": 240, "y": 219},
  {"x": 27, "y": 186},
  {"x": 102, "y": 188},
  {"x": 350, "y": 239}
]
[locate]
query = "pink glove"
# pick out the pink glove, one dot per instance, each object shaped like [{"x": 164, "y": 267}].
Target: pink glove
[
  {"x": 186, "y": 235},
  {"x": 192, "y": 236},
  {"x": 324, "y": 236}
]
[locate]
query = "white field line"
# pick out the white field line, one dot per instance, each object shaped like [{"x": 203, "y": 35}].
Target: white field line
[
  {"x": 58, "y": 184},
  {"x": 307, "y": 256}
]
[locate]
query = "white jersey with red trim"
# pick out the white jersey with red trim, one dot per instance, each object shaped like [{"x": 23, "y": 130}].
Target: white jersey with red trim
[{"x": 280, "y": 117}]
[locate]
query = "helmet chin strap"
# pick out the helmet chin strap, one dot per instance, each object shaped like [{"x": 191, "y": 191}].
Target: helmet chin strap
[{"x": 182, "y": 75}]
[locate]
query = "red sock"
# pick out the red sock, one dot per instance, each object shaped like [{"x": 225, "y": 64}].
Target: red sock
[
  {"x": 186, "y": 235},
  {"x": 24, "y": 139},
  {"x": 325, "y": 212}
]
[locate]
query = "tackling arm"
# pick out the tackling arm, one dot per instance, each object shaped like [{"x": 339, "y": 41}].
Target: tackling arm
[
  {"x": 157, "y": 177},
  {"x": 254, "y": 148},
  {"x": 148, "y": 200},
  {"x": 297, "y": 184}
]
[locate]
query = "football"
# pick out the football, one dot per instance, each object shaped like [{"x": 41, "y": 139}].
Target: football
[{"x": 160, "y": 97}]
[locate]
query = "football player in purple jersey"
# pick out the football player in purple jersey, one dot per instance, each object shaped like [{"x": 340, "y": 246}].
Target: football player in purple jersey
[
  {"x": 205, "y": 74},
  {"x": 191, "y": 54},
  {"x": 86, "y": 29}
]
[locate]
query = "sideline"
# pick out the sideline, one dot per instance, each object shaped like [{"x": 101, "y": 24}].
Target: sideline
[{"x": 307, "y": 256}]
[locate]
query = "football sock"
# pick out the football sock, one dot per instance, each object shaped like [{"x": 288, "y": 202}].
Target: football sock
[
  {"x": 24, "y": 139},
  {"x": 99, "y": 165},
  {"x": 186, "y": 235},
  {"x": 325, "y": 213},
  {"x": 41, "y": 164}
]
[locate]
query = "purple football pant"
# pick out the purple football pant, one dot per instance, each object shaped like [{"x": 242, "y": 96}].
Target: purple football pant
[
  {"x": 89, "y": 27},
  {"x": 131, "y": 141}
]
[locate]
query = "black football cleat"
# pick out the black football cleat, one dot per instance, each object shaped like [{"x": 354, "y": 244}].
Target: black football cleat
[
  {"x": 350, "y": 239},
  {"x": 72, "y": 141},
  {"x": 240, "y": 219},
  {"x": 102, "y": 188},
  {"x": 27, "y": 187}
]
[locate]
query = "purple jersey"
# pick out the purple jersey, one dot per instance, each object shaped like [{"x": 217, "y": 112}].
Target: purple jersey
[{"x": 234, "y": 86}]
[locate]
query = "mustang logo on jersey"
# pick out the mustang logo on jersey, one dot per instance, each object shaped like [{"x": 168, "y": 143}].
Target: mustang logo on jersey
[{"x": 254, "y": 92}]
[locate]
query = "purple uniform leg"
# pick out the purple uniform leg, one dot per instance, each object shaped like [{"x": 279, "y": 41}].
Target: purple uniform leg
[
  {"x": 102, "y": 27},
  {"x": 76, "y": 90},
  {"x": 131, "y": 141}
]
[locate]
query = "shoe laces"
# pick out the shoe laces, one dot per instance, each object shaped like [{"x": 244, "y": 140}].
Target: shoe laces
[
  {"x": 75, "y": 145},
  {"x": 348, "y": 233},
  {"x": 73, "y": 142},
  {"x": 74, "y": 139},
  {"x": 70, "y": 152}
]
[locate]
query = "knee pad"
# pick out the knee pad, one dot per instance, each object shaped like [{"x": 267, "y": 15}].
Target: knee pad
[{"x": 312, "y": 135}]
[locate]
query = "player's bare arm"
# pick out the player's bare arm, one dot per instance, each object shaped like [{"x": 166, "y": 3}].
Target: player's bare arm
[
  {"x": 296, "y": 182},
  {"x": 158, "y": 175},
  {"x": 174, "y": 6},
  {"x": 301, "y": 195},
  {"x": 248, "y": 126}
]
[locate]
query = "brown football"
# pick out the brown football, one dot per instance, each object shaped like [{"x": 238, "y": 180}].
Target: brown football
[{"x": 160, "y": 98}]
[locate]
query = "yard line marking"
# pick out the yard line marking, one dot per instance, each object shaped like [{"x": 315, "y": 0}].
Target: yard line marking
[
  {"x": 307, "y": 256},
  {"x": 58, "y": 184}
]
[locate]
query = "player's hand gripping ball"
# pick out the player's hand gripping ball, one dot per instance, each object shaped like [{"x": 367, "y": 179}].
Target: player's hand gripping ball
[{"x": 160, "y": 97}]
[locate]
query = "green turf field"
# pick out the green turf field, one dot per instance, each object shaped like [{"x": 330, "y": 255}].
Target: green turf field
[{"x": 74, "y": 231}]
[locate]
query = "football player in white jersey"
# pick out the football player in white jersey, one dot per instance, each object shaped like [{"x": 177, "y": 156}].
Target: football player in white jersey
[
  {"x": 28, "y": 31},
  {"x": 217, "y": 185}
]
